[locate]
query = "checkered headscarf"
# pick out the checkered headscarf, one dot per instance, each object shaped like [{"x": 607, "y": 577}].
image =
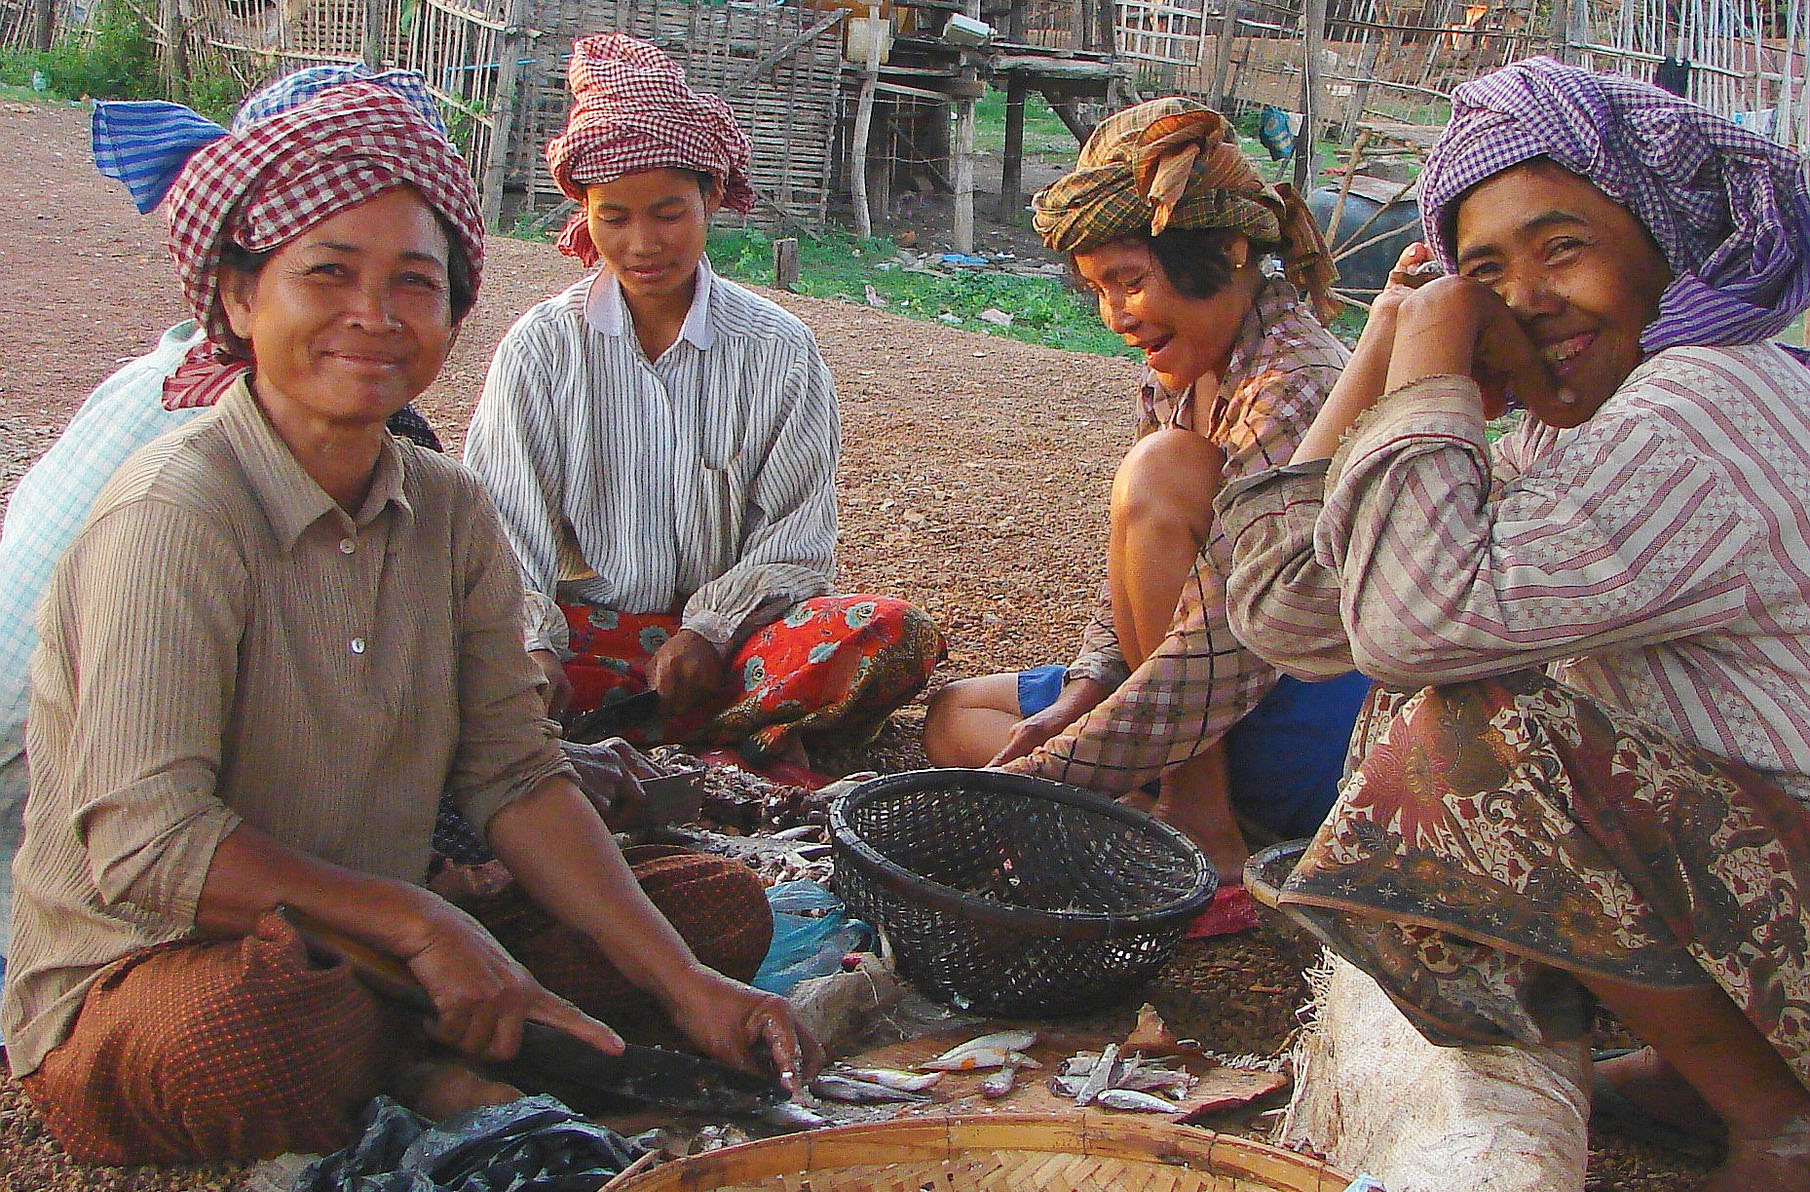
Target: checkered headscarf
[
  {"x": 633, "y": 112},
  {"x": 267, "y": 184},
  {"x": 1730, "y": 210},
  {"x": 1167, "y": 164}
]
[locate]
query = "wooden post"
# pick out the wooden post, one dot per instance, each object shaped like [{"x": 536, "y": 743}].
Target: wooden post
[
  {"x": 44, "y": 25},
  {"x": 785, "y": 264},
  {"x": 1313, "y": 100},
  {"x": 963, "y": 153},
  {"x": 1107, "y": 12},
  {"x": 864, "y": 122},
  {"x": 1011, "y": 174},
  {"x": 511, "y": 47},
  {"x": 1081, "y": 25},
  {"x": 1222, "y": 57},
  {"x": 376, "y": 32},
  {"x": 175, "y": 63},
  {"x": 963, "y": 150}
]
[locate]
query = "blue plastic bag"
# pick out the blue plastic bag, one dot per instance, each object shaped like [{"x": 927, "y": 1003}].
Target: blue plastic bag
[{"x": 812, "y": 932}]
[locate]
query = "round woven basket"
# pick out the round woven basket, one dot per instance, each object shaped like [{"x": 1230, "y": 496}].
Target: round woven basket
[
  {"x": 1014, "y": 895},
  {"x": 1087, "y": 1152}
]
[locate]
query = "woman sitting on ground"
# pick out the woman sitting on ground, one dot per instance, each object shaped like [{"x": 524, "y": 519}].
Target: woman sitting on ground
[
  {"x": 280, "y": 636},
  {"x": 1168, "y": 225},
  {"x": 1602, "y": 795}
]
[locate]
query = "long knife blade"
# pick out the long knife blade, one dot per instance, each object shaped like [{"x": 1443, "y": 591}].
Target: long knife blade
[{"x": 647, "y": 1075}]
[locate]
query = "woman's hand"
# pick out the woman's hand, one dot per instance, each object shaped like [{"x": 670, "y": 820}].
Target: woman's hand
[
  {"x": 1364, "y": 379},
  {"x": 481, "y": 994},
  {"x": 747, "y": 1029},
  {"x": 610, "y": 773},
  {"x": 1462, "y": 327},
  {"x": 1078, "y": 698},
  {"x": 688, "y": 672}
]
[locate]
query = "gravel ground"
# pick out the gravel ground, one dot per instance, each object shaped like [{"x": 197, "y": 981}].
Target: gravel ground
[{"x": 973, "y": 482}]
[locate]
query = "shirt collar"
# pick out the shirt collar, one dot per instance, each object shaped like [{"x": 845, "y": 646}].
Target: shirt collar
[
  {"x": 607, "y": 314},
  {"x": 290, "y": 498}
]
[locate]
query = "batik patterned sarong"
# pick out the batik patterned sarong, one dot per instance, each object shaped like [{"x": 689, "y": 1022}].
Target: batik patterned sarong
[{"x": 1500, "y": 838}]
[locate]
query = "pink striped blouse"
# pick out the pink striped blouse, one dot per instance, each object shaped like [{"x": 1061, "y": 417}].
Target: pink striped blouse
[{"x": 1656, "y": 557}]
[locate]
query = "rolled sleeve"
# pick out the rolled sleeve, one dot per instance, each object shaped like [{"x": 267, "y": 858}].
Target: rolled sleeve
[
  {"x": 507, "y": 747},
  {"x": 1282, "y": 601},
  {"x": 789, "y": 550},
  {"x": 158, "y": 640}
]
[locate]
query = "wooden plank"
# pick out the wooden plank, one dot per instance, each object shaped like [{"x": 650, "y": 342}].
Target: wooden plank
[{"x": 735, "y": 86}]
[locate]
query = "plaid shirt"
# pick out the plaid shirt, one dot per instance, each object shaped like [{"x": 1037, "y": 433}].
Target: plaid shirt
[{"x": 1200, "y": 681}]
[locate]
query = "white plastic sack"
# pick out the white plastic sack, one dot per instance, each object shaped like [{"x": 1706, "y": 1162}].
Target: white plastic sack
[{"x": 1374, "y": 1096}]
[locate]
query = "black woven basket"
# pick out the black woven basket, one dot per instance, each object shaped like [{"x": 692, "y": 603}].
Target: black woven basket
[{"x": 1014, "y": 895}]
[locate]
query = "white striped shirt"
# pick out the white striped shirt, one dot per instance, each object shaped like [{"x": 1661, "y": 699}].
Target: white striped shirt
[
  {"x": 702, "y": 482},
  {"x": 1656, "y": 557}
]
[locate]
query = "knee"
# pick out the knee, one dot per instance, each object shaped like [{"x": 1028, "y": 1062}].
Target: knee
[
  {"x": 1168, "y": 477},
  {"x": 719, "y": 907}
]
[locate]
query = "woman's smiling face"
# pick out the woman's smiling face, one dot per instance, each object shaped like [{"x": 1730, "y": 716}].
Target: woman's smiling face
[
  {"x": 1580, "y": 273},
  {"x": 1183, "y": 339}
]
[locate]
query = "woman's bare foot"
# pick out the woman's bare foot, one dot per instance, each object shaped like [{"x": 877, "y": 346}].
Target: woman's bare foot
[
  {"x": 1779, "y": 1163},
  {"x": 1655, "y": 1088},
  {"x": 438, "y": 1091}
]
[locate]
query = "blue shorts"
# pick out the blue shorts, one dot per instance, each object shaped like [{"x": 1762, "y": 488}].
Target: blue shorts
[{"x": 1286, "y": 756}]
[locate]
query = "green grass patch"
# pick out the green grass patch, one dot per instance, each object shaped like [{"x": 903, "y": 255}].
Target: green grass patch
[
  {"x": 1046, "y": 138},
  {"x": 1044, "y": 310}
]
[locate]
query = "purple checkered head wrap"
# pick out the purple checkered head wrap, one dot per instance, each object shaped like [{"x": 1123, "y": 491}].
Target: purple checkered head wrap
[{"x": 1730, "y": 210}]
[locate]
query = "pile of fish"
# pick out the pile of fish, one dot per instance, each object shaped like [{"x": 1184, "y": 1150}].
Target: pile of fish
[
  {"x": 743, "y": 801},
  {"x": 1120, "y": 1079},
  {"x": 1001, "y": 1053}
]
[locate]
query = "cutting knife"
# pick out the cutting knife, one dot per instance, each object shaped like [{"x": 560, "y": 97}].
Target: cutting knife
[{"x": 647, "y": 1075}]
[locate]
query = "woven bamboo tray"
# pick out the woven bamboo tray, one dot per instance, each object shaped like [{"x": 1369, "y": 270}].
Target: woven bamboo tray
[{"x": 1086, "y": 1152}]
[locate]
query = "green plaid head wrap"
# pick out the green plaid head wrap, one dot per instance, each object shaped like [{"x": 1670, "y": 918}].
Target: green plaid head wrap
[{"x": 1167, "y": 164}]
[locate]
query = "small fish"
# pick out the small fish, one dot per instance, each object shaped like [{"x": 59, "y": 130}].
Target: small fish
[
  {"x": 892, "y": 1078},
  {"x": 1000, "y": 1083},
  {"x": 1100, "y": 1078},
  {"x": 859, "y": 1092},
  {"x": 1168, "y": 1081},
  {"x": 790, "y": 1116},
  {"x": 1067, "y": 1086},
  {"x": 1136, "y": 1102},
  {"x": 1079, "y": 1065},
  {"x": 988, "y": 1051}
]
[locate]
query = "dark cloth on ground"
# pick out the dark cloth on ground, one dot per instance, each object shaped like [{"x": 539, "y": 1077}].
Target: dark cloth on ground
[
  {"x": 246, "y": 1048},
  {"x": 1500, "y": 837},
  {"x": 535, "y": 1143}
]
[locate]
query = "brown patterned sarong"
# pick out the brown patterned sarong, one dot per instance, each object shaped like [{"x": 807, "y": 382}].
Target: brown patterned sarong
[
  {"x": 1500, "y": 837},
  {"x": 245, "y": 1049}
]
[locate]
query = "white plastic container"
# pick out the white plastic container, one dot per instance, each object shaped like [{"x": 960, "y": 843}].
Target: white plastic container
[{"x": 966, "y": 31}]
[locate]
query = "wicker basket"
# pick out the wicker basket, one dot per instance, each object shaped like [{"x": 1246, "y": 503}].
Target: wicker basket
[
  {"x": 1014, "y": 895},
  {"x": 1086, "y": 1152}
]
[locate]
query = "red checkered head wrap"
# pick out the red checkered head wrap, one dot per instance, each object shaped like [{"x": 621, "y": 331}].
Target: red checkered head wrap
[
  {"x": 265, "y": 185},
  {"x": 633, "y": 112}
]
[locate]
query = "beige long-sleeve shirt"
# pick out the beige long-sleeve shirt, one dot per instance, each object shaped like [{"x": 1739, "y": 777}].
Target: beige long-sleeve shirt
[{"x": 223, "y": 644}]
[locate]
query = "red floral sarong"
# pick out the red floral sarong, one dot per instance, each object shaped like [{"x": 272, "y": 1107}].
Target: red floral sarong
[{"x": 831, "y": 664}]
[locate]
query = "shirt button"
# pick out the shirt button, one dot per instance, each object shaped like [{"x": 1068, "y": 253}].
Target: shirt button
[
  {"x": 358, "y": 645},
  {"x": 347, "y": 546}
]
